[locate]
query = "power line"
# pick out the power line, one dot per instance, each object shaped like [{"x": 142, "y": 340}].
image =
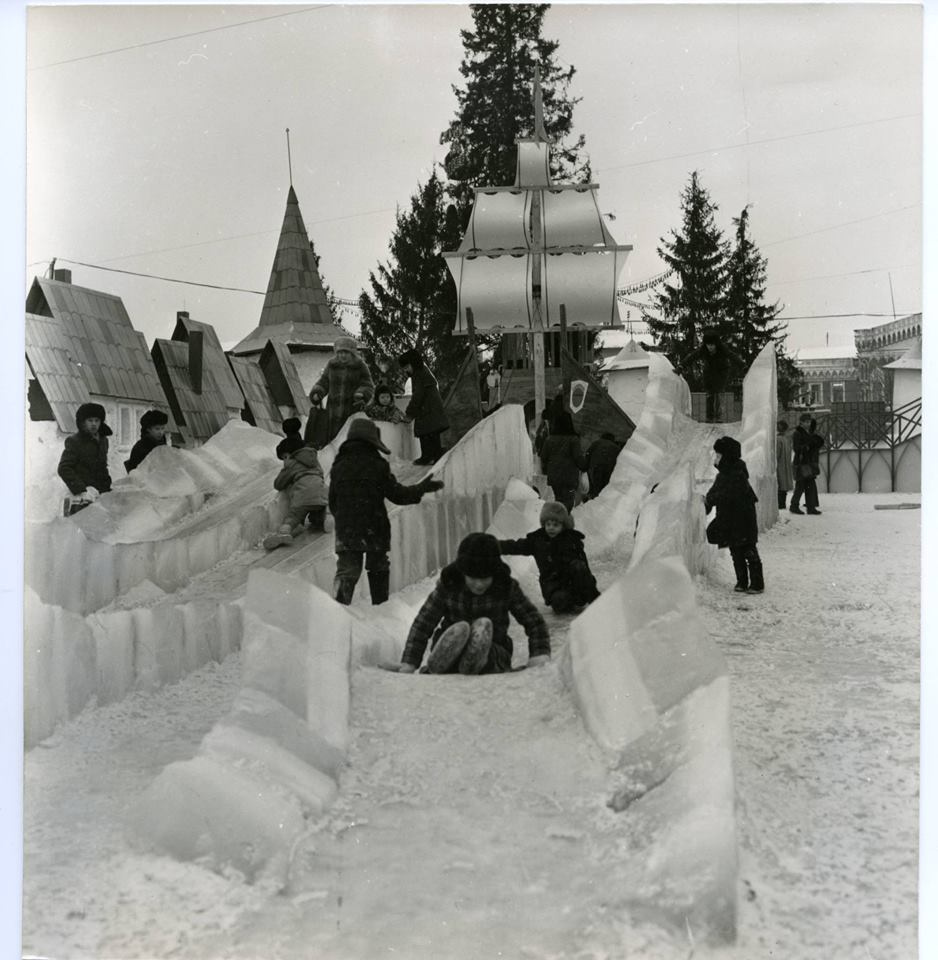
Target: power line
[
  {"x": 840, "y": 316},
  {"x": 753, "y": 143},
  {"x": 181, "y": 36},
  {"x": 847, "y": 223},
  {"x": 151, "y": 276},
  {"x": 834, "y": 276}
]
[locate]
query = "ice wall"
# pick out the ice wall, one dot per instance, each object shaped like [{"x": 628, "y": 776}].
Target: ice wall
[
  {"x": 757, "y": 436},
  {"x": 654, "y": 693},
  {"x": 609, "y": 519}
]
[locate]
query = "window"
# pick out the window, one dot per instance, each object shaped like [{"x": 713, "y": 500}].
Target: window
[
  {"x": 125, "y": 426},
  {"x": 837, "y": 393},
  {"x": 814, "y": 394}
]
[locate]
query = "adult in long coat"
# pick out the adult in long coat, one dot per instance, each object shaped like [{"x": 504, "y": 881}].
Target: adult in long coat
[
  {"x": 716, "y": 363},
  {"x": 806, "y": 447},
  {"x": 601, "y": 460},
  {"x": 784, "y": 472},
  {"x": 562, "y": 460},
  {"x": 83, "y": 464},
  {"x": 735, "y": 525},
  {"x": 425, "y": 407},
  {"x": 346, "y": 382}
]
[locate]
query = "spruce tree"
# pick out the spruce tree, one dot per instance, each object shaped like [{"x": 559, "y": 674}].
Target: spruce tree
[
  {"x": 753, "y": 320},
  {"x": 496, "y": 106},
  {"x": 412, "y": 302},
  {"x": 693, "y": 304}
]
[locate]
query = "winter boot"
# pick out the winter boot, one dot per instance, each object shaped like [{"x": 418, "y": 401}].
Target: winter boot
[
  {"x": 281, "y": 538},
  {"x": 343, "y": 589},
  {"x": 561, "y": 601},
  {"x": 756, "y": 582},
  {"x": 476, "y": 654},
  {"x": 782, "y": 497},
  {"x": 379, "y": 581},
  {"x": 742, "y": 575},
  {"x": 795, "y": 509},
  {"x": 448, "y": 647}
]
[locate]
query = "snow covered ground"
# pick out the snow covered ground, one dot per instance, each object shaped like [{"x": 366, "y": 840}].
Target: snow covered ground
[{"x": 443, "y": 846}]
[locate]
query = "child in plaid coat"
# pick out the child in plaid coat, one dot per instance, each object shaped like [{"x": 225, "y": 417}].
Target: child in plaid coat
[{"x": 465, "y": 618}]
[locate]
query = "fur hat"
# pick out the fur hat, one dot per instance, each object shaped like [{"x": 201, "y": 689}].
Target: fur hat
[
  {"x": 728, "y": 448},
  {"x": 410, "y": 358},
  {"x": 711, "y": 337},
  {"x": 153, "y": 418},
  {"x": 345, "y": 343},
  {"x": 291, "y": 425},
  {"x": 367, "y": 430},
  {"x": 479, "y": 556},
  {"x": 555, "y": 510},
  {"x": 384, "y": 388},
  {"x": 87, "y": 410}
]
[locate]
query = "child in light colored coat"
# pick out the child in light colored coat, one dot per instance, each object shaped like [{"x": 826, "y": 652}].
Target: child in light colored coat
[{"x": 302, "y": 477}]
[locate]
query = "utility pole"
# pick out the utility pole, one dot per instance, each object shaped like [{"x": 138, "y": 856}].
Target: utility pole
[{"x": 537, "y": 240}]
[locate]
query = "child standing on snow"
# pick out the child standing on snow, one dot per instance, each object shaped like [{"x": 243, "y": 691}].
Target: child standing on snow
[
  {"x": 565, "y": 576},
  {"x": 302, "y": 477},
  {"x": 83, "y": 464},
  {"x": 465, "y": 618},
  {"x": 359, "y": 483},
  {"x": 735, "y": 523}
]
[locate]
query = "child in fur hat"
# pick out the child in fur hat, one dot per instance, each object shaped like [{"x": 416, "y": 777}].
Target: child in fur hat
[
  {"x": 292, "y": 438},
  {"x": 735, "y": 524},
  {"x": 83, "y": 464},
  {"x": 566, "y": 579},
  {"x": 152, "y": 435},
  {"x": 346, "y": 382},
  {"x": 465, "y": 618},
  {"x": 383, "y": 407},
  {"x": 302, "y": 477}
]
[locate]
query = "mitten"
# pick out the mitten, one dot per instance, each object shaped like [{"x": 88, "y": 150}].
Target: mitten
[
  {"x": 92, "y": 494},
  {"x": 430, "y": 485}
]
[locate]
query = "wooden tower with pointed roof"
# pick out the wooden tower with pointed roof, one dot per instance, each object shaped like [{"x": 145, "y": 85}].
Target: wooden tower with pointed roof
[{"x": 296, "y": 311}]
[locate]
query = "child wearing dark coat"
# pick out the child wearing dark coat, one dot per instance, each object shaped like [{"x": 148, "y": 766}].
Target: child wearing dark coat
[
  {"x": 292, "y": 440},
  {"x": 465, "y": 618},
  {"x": 83, "y": 464},
  {"x": 359, "y": 483},
  {"x": 735, "y": 525},
  {"x": 566, "y": 579},
  {"x": 152, "y": 435},
  {"x": 302, "y": 476}
]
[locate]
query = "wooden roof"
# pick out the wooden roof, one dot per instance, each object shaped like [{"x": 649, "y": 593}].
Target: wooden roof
[
  {"x": 79, "y": 343},
  {"x": 199, "y": 415},
  {"x": 296, "y": 309},
  {"x": 282, "y": 377},
  {"x": 214, "y": 360},
  {"x": 261, "y": 409}
]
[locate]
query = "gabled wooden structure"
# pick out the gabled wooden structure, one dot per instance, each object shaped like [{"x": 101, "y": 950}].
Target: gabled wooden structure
[
  {"x": 214, "y": 361},
  {"x": 283, "y": 379},
  {"x": 81, "y": 346},
  {"x": 259, "y": 407}
]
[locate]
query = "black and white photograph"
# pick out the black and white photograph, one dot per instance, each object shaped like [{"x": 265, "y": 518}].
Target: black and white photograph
[{"x": 472, "y": 482}]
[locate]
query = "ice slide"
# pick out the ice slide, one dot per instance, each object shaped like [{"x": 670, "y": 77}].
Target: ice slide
[{"x": 652, "y": 781}]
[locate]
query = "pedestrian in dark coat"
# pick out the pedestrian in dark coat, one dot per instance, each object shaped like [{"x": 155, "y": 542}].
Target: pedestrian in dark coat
[
  {"x": 346, "y": 382},
  {"x": 425, "y": 407},
  {"x": 601, "y": 460},
  {"x": 302, "y": 478},
  {"x": 562, "y": 460},
  {"x": 716, "y": 362},
  {"x": 465, "y": 618},
  {"x": 83, "y": 464},
  {"x": 806, "y": 446},
  {"x": 735, "y": 525},
  {"x": 359, "y": 483},
  {"x": 783, "y": 468},
  {"x": 565, "y": 576},
  {"x": 293, "y": 439},
  {"x": 152, "y": 435}
]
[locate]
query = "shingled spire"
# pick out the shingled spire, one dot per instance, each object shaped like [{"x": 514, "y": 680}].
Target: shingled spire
[{"x": 295, "y": 292}]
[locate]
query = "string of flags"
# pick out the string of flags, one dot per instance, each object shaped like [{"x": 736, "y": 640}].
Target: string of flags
[{"x": 642, "y": 285}]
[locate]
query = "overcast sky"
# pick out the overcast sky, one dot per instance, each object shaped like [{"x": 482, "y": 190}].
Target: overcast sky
[{"x": 156, "y": 142}]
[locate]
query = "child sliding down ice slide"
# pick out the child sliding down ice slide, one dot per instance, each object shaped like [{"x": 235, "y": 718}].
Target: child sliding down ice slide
[{"x": 465, "y": 618}]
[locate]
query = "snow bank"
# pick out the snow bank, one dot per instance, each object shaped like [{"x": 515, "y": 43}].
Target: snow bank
[{"x": 653, "y": 691}]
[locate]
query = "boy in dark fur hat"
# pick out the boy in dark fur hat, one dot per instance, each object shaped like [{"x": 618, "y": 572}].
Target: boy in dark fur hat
[
  {"x": 83, "y": 464},
  {"x": 465, "y": 618},
  {"x": 152, "y": 435},
  {"x": 293, "y": 439},
  {"x": 302, "y": 477},
  {"x": 359, "y": 483},
  {"x": 735, "y": 524},
  {"x": 566, "y": 579}
]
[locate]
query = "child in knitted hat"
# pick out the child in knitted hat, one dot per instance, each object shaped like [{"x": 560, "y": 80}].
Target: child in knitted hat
[
  {"x": 465, "y": 618},
  {"x": 565, "y": 576},
  {"x": 346, "y": 382},
  {"x": 735, "y": 524},
  {"x": 302, "y": 478},
  {"x": 292, "y": 438}
]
